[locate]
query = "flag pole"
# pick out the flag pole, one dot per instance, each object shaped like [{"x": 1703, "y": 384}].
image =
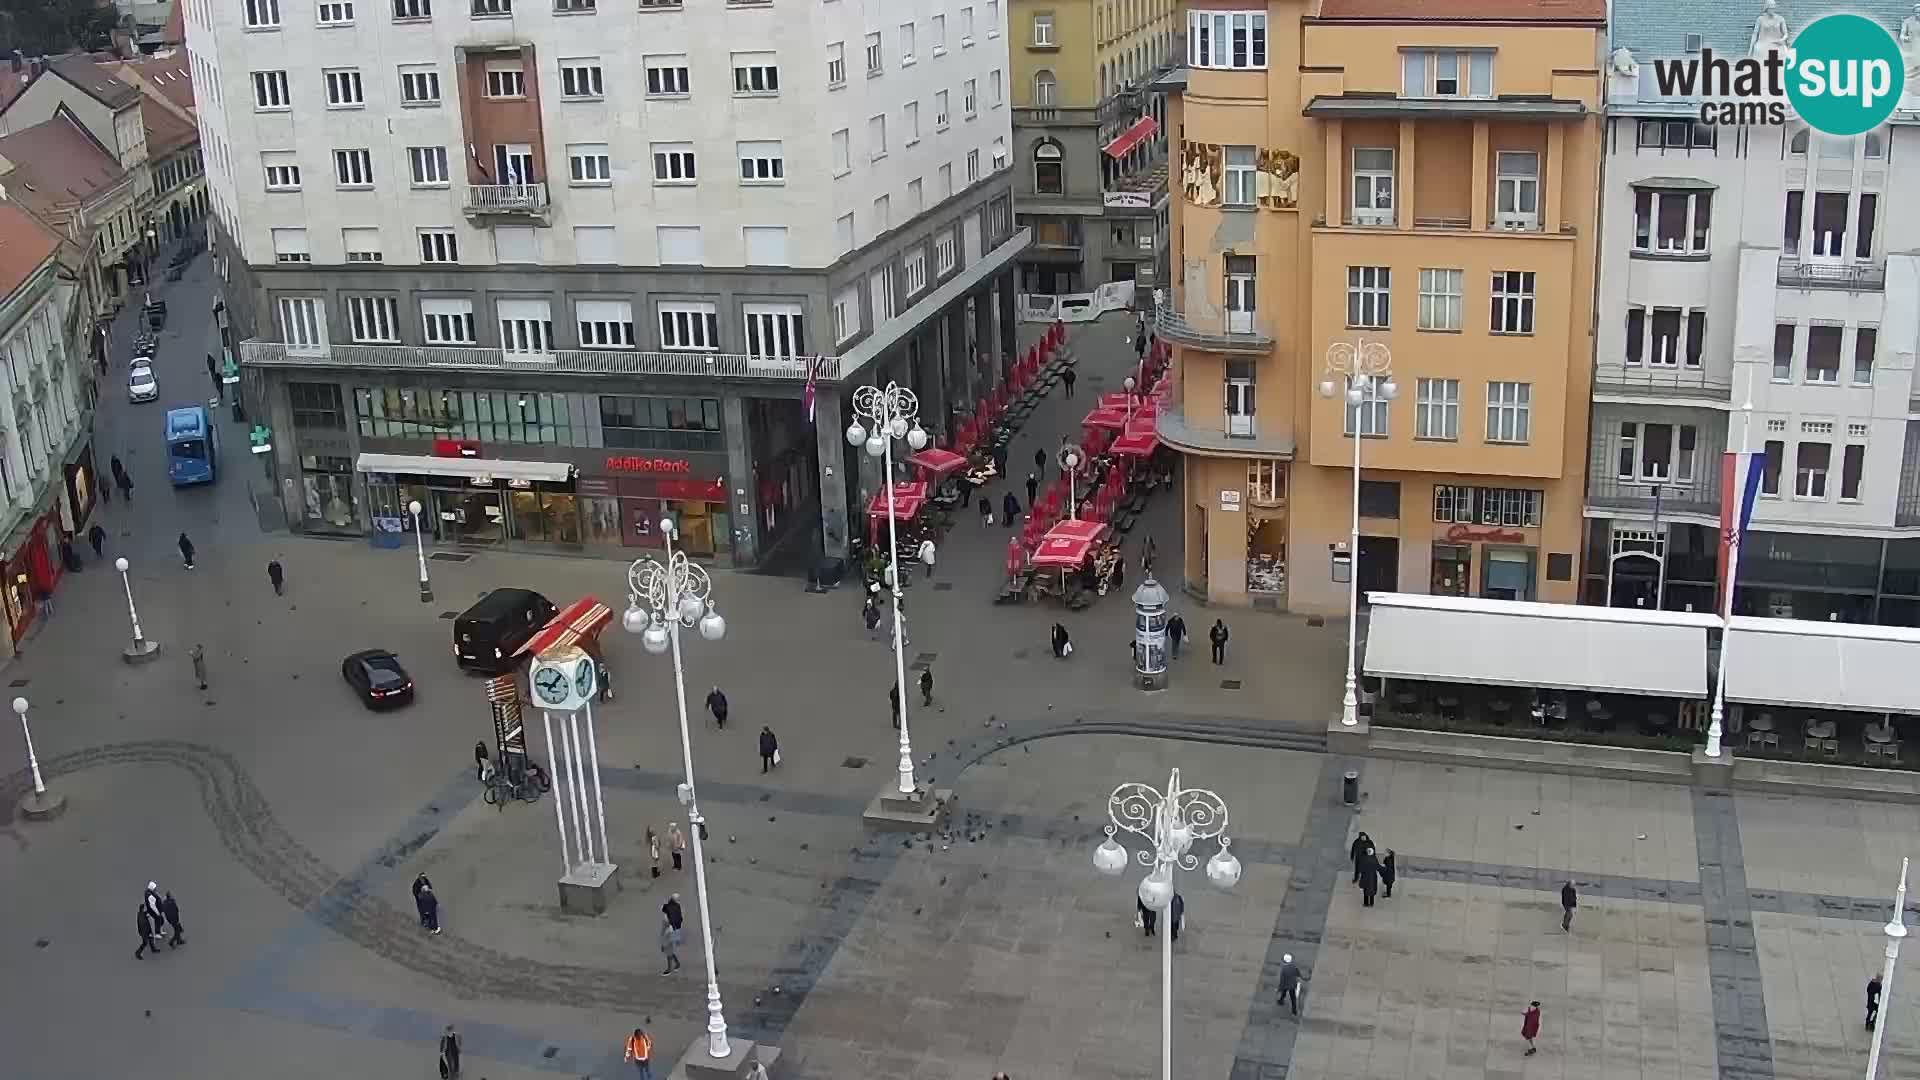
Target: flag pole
[{"x": 1738, "y": 526}]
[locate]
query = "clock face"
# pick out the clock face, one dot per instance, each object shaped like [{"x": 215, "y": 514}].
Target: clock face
[
  {"x": 550, "y": 683},
  {"x": 585, "y": 675}
]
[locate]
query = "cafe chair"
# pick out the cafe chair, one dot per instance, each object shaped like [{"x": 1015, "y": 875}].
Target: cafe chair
[{"x": 1754, "y": 737}]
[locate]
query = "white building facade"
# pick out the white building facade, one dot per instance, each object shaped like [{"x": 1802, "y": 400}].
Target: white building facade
[
  {"x": 642, "y": 209},
  {"x": 1765, "y": 267}
]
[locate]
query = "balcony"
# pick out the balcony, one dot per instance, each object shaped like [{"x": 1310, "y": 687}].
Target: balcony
[
  {"x": 1848, "y": 277},
  {"x": 560, "y": 361},
  {"x": 1247, "y": 436},
  {"x": 1215, "y": 331},
  {"x": 1637, "y": 497},
  {"x": 1661, "y": 381},
  {"x": 525, "y": 201}
]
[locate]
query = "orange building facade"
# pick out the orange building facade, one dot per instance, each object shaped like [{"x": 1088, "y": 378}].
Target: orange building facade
[{"x": 1358, "y": 179}]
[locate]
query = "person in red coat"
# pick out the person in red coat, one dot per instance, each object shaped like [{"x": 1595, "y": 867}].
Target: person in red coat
[{"x": 1530, "y": 1027}]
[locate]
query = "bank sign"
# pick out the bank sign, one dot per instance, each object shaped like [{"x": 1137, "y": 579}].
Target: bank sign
[{"x": 1843, "y": 75}]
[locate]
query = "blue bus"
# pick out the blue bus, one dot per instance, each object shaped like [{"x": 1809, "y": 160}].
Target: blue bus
[{"x": 193, "y": 446}]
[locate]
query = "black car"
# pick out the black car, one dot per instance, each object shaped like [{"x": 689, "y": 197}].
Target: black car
[{"x": 376, "y": 675}]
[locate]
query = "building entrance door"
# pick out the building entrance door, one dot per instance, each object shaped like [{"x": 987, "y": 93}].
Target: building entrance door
[{"x": 1379, "y": 565}]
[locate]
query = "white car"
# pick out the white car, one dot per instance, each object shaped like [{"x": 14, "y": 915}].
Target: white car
[{"x": 141, "y": 385}]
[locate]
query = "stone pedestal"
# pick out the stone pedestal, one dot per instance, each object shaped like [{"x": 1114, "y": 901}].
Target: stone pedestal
[
  {"x": 1713, "y": 773},
  {"x": 140, "y": 652},
  {"x": 697, "y": 1064},
  {"x": 36, "y": 806},
  {"x": 1354, "y": 740},
  {"x": 585, "y": 889},
  {"x": 1150, "y": 680},
  {"x": 922, "y": 811}
]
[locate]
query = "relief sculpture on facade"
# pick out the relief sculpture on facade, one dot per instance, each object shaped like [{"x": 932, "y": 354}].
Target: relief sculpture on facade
[
  {"x": 1276, "y": 176},
  {"x": 1277, "y": 186},
  {"x": 1200, "y": 165}
]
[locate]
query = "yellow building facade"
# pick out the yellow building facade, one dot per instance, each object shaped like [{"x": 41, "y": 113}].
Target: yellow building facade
[{"x": 1361, "y": 179}]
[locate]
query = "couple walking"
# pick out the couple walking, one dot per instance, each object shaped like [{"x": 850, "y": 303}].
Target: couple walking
[
  {"x": 1371, "y": 871},
  {"x": 157, "y": 910}
]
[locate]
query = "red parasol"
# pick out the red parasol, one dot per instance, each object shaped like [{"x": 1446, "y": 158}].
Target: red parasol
[
  {"x": 1137, "y": 444},
  {"x": 937, "y": 461},
  {"x": 1106, "y": 416},
  {"x": 1077, "y": 530},
  {"x": 1063, "y": 553}
]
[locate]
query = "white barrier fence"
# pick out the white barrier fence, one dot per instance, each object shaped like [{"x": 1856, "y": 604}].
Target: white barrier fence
[{"x": 1076, "y": 307}]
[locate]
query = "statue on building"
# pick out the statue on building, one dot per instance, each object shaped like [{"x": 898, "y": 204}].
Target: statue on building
[
  {"x": 1769, "y": 31},
  {"x": 1623, "y": 63},
  {"x": 1910, "y": 53}
]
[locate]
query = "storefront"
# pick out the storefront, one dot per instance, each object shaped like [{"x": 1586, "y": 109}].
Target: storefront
[
  {"x": 80, "y": 490},
  {"x": 32, "y": 567},
  {"x": 643, "y": 489}
]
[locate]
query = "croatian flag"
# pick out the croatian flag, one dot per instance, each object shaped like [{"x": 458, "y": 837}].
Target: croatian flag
[
  {"x": 806, "y": 395},
  {"x": 1740, "y": 475}
]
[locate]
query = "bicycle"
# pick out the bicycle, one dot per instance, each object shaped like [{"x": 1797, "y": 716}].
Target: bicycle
[{"x": 502, "y": 789}]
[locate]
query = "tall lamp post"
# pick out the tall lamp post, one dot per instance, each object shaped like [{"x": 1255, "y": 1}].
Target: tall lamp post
[
  {"x": 1896, "y": 929},
  {"x": 1070, "y": 465},
  {"x": 1171, "y": 821},
  {"x": 893, "y": 413},
  {"x": 1364, "y": 371},
  {"x": 38, "y": 804},
  {"x": 140, "y": 649},
  {"x": 662, "y": 598},
  {"x": 420, "y": 549}
]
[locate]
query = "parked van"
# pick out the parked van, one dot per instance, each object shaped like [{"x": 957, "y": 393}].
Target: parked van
[{"x": 486, "y": 635}]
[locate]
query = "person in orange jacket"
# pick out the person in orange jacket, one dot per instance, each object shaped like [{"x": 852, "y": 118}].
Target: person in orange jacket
[{"x": 640, "y": 1052}]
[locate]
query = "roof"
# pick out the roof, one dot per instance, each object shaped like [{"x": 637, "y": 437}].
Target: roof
[
  {"x": 56, "y": 165},
  {"x": 25, "y": 245},
  {"x": 98, "y": 83},
  {"x": 176, "y": 31},
  {"x": 170, "y": 75},
  {"x": 1659, "y": 28},
  {"x": 166, "y": 132},
  {"x": 1468, "y": 11}
]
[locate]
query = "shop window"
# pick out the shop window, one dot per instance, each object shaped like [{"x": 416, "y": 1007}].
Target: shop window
[
  {"x": 1452, "y": 570},
  {"x": 317, "y": 406},
  {"x": 1266, "y": 554},
  {"x": 544, "y": 517},
  {"x": 491, "y": 416},
  {"x": 1507, "y": 574},
  {"x": 1511, "y": 507},
  {"x": 1266, "y": 483},
  {"x": 655, "y": 423},
  {"x": 327, "y": 492}
]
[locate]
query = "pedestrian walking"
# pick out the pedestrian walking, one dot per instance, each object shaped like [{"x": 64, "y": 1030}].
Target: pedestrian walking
[
  {"x": 717, "y": 705},
  {"x": 106, "y": 490},
  {"x": 449, "y": 1053},
  {"x": 999, "y": 454},
  {"x": 640, "y": 1052},
  {"x": 927, "y": 554},
  {"x": 1530, "y": 1027},
  {"x": 44, "y": 597},
  {"x": 653, "y": 849},
  {"x": 277, "y": 576},
  {"x": 1177, "y": 916},
  {"x": 1218, "y": 636},
  {"x": 769, "y": 750},
  {"x": 1387, "y": 874},
  {"x": 670, "y": 938},
  {"x": 1147, "y": 553},
  {"x": 170, "y": 911},
  {"x": 870, "y": 614},
  {"x": 1040, "y": 461},
  {"x": 186, "y": 551},
  {"x": 756, "y": 1070},
  {"x": 1290, "y": 980},
  {"x": 1568, "y": 901},
  {"x": 123, "y": 481},
  {"x": 198, "y": 654},
  {"x": 1369, "y": 877},
  {"x": 1145, "y": 917},
  {"x": 97, "y": 536},
  {"x": 482, "y": 764},
  {"x": 926, "y": 688},
  {"x": 1873, "y": 1002},
  {"x": 428, "y": 904},
  {"x": 1176, "y": 634},
  {"x": 1362, "y": 843},
  {"x": 676, "y": 917},
  {"x": 1068, "y": 378},
  {"x": 1033, "y": 489},
  {"x": 1010, "y": 506},
  {"x": 893, "y": 704},
  {"x": 1061, "y": 641},
  {"x": 676, "y": 843},
  {"x": 213, "y": 369},
  {"x": 144, "y": 922},
  {"x": 986, "y": 512}
]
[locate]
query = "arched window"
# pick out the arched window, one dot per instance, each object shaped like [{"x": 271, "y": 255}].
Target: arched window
[
  {"x": 1103, "y": 82},
  {"x": 1049, "y": 168},
  {"x": 1798, "y": 144},
  {"x": 1044, "y": 87}
]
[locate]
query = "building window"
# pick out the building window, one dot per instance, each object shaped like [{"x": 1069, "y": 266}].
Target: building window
[
  {"x": 317, "y": 406},
  {"x": 973, "y": 166},
  {"x": 302, "y": 323},
  {"x": 1517, "y": 194},
  {"x": 526, "y": 326},
  {"x": 1509, "y": 412},
  {"x": 1227, "y": 39},
  {"x": 876, "y": 137},
  {"x": 762, "y": 162},
  {"x": 911, "y": 110},
  {"x": 362, "y": 245},
  {"x": 906, "y": 44},
  {"x": 1853, "y": 458},
  {"x": 490, "y": 416},
  {"x": 966, "y": 27},
  {"x": 344, "y": 90},
  {"x": 1512, "y": 507},
  {"x": 1865, "y": 339},
  {"x": 875, "y": 57},
  {"x": 673, "y": 163},
  {"x": 1241, "y": 401},
  {"x": 439, "y": 246},
  {"x": 1675, "y": 135},
  {"x": 1446, "y": 73},
  {"x": 846, "y": 314},
  {"x": 837, "y": 64},
  {"x": 1237, "y": 178},
  {"x": 373, "y": 319},
  {"x": 688, "y": 327},
  {"x": 766, "y": 245},
  {"x": 915, "y": 274},
  {"x": 589, "y": 165},
  {"x": 407, "y": 10},
  {"x": 842, "y": 147},
  {"x": 1372, "y": 186},
  {"x": 290, "y": 246},
  {"x": 1370, "y": 414},
  {"x": 419, "y": 86},
  {"x": 505, "y": 78},
  {"x": 334, "y": 13},
  {"x": 270, "y": 91},
  {"x": 1657, "y": 453},
  {"x": 657, "y": 423},
  {"x": 1774, "y": 454},
  {"x": 1783, "y": 345},
  {"x": 843, "y": 233},
  {"x": 667, "y": 76},
  {"x": 353, "y": 168},
  {"x": 581, "y": 79},
  {"x": 1045, "y": 89},
  {"x": 882, "y": 215},
  {"x": 1368, "y": 290},
  {"x": 1810, "y": 470},
  {"x": 995, "y": 94},
  {"x": 940, "y": 103},
  {"x": 1436, "y": 409},
  {"x": 604, "y": 324},
  {"x": 262, "y": 14},
  {"x": 939, "y": 35},
  {"x": 1823, "y": 354},
  {"x": 755, "y": 74},
  {"x": 428, "y": 165},
  {"x": 1671, "y": 222},
  {"x": 283, "y": 171},
  {"x": 1043, "y": 32},
  {"x": 775, "y": 331},
  {"x": 1266, "y": 483},
  {"x": 1441, "y": 306},
  {"x": 1049, "y": 170},
  {"x": 680, "y": 245},
  {"x": 447, "y": 322},
  {"x": 1512, "y": 302}
]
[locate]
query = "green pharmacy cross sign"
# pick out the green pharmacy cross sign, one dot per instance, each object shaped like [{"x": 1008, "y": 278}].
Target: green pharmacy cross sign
[
  {"x": 229, "y": 371},
  {"x": 260, "y": 437}
]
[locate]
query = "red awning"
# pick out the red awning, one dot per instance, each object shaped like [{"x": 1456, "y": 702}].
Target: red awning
[
  {"x": 1135, "y": 444},
  {"x": 907, "y": 501},
  {"x": 580, "y": 622},
  {"x": 1106, "y": 416},
  {"x": 1141, "y": 131},
  {"x": 1077, "y": 530},
  {"x": 937, "y": 461},
  {"x": 1062, "y": 552}
]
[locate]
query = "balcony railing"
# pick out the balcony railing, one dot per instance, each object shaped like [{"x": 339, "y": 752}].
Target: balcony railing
[
  {"x": 1218, "y": 331},
  {"x": 559, "y": 361},
  {"x": 1852, "y": 277},
  {"x": 1612, "y": 493},
  {"x": 1661, "y": 381},
  {"x": 507, "y": 199}
]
